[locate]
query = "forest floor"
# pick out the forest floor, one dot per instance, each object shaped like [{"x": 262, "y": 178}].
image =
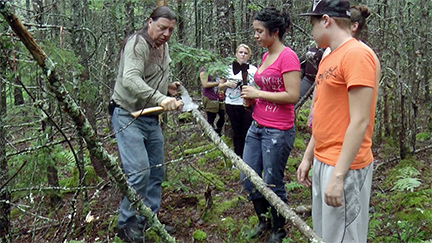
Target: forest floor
[{"x": 203, "y": 199}]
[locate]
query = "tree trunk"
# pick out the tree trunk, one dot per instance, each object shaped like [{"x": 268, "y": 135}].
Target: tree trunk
[
  {"x": 51, "y": 170},
  {"x": 18, "y": 94},
  {"x": 233, "y": 30},
  {"x": 4, "y": 170},
  {"x": 402, "y": 127},
  {"x": 129, "y": 27},
  {"x": 198, "y": 24},
  {"x": 222, "y": 20}
]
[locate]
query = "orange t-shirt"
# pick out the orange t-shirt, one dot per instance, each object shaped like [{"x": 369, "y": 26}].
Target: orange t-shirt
[{"x": 352, "y": 64}]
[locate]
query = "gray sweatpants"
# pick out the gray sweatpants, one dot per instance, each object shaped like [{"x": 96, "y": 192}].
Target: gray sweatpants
[{"x": 348, "y": 223}]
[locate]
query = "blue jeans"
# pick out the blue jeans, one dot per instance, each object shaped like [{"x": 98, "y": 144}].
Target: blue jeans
[
  {"x": 140, "y": 145},
  {"x": 266, "y": 151}
]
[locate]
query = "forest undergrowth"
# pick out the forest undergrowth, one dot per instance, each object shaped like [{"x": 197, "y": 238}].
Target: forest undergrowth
[{"x": 203, "y": 199}]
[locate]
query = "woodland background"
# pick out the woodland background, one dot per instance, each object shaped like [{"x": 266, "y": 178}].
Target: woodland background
[{"x": 53, "y": 189}]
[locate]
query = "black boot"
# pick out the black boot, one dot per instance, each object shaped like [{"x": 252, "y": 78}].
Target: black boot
[
  {"x": 278, "y": 230},
  {"x": 261, "y": 207},
  {"x": 143, "y": 226},
  {"x": 131, "y": 234}
]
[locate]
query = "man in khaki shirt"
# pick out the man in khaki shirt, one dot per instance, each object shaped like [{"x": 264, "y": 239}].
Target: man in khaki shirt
[{"x": 142, "y": 82}]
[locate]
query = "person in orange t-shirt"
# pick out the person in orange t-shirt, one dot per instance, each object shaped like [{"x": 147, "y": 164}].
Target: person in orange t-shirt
[{"x": 343, "y": 120}]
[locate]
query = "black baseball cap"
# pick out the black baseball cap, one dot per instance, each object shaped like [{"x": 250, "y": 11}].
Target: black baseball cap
[{"x": 333, "y": 8}]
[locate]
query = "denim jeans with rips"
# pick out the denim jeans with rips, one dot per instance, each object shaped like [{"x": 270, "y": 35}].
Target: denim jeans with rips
[
  {"x": 266, "y": 151},
  {"x": 140, "y": 146}
]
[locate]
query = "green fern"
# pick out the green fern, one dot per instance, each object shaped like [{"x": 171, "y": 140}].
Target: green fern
[
  {"x": 407, "y": 180},
  {"x": 408, "y": 171},
  {"x": 408, "y": 184},
  {"x": 292, "y": 186}
]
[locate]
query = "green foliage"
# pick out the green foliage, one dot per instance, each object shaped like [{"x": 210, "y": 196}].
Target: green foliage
[
  {"x": 87, "y": 92},
  {"x": 67, "y": 63},
  {"x": 291, "y": 186},
  {"x": 196, "y": 150},
  {"x": 408, "y": 184},
  {"x": 254, "y": 7},
  {"x": 389, "y": 148},
  {"x": 213, "y": 178},
  {"x": 187, "y": 223},
  {"x": 199, "y": 235},
  {"x": 96, "y": 5},
  {"x": 423, "y": 136},
  {"x": 229, "y": 226},
  {"x": 213, "y": 63},
  {"x": 34, "y": 172},
  {"x": 299, "y": 143},
  {"x": 234, "y": 176},
  {"x": 90, "y": 178},
  {"x": 222, "y": 204},
  {"x": 401, "y": 217},
  {"x": 112, "y": 222},
  {"x": 253, "y": 220},
  {"x": 408, "y": 231},
  {"x": 210, "y": 156},
  {"x": 117, "y": 240},
  {"x": 302, "y": 116},
  {"x": 185, "y": 117},
  {"x": 15, "y": 212},
  {"x": 152, "y": 236},
  {"x": 194, "y": 177},
  {"x": 405, "y": 181},
  {"x": 292, "y": 164},
  {"x": 407, "y": 168},
  {"x": 375, "y": 225}
]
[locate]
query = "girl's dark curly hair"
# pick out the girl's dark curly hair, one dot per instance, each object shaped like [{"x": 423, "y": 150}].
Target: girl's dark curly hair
[{"x": 274, "y": 20}]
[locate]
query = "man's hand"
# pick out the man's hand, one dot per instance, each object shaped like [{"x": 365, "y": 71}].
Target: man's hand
[
  {"x": 173, "y": 89},
  {"x": 170, "y": 104},
  {"x": 334, "y": 191},
  {"x": 303, "y": 173}
]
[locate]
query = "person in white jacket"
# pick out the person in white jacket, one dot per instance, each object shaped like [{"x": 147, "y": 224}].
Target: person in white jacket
[{"x": 239, "y": 117}]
